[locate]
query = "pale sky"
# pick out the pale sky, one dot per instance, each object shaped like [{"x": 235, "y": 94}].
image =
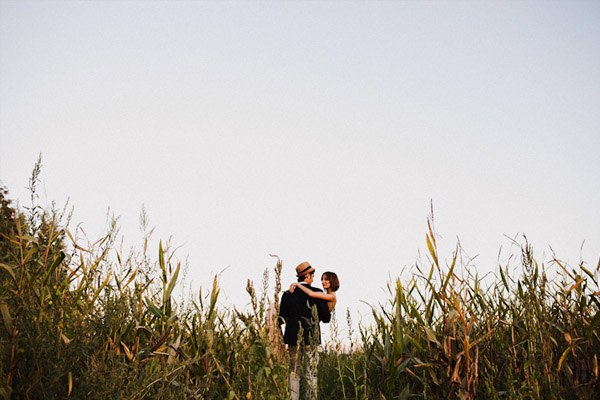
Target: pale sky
[{"x": 317, "y": 131}]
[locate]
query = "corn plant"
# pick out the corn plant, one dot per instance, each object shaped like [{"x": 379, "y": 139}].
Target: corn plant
[
  {"x": 446, "y": 335},
  {"x": 85, "y": 318}
]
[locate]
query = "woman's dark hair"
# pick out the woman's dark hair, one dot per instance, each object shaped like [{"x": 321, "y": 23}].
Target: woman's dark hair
[{"x": 333, "y": 280}]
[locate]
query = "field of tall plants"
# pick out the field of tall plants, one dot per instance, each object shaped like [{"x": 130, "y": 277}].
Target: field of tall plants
[{"x": 83, "y": 318}]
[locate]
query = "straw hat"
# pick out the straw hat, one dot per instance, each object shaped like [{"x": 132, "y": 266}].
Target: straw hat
[{"x": 303, "y": 269}]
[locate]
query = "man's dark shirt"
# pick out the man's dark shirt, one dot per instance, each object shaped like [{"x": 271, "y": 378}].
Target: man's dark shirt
[{"x": 296, "y": 310}]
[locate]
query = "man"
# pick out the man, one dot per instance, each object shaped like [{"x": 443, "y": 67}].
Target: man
[{"x": 301, "y": 315}]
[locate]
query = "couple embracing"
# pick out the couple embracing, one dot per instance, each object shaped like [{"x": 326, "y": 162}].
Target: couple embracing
[{"x": 301, "y": 309}]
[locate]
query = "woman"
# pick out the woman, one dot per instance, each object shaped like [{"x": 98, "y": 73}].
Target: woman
[{"x": 330, "y": 283}]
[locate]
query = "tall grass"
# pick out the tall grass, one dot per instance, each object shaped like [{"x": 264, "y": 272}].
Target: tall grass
[
  {"x": 446, "y": 335},
  {"x": 85, "y": 319}
]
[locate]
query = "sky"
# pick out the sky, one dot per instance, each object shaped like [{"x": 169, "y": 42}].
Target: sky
[{"x": 316, "y": 131}]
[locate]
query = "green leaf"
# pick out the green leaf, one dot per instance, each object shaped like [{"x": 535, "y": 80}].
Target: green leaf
[
  {"x": 55, "y": 264},
  {"x": 503, "y": 276},
  {"x": 161, "y": 262},
  {"x": 564, "y": 357},
  {"x": 10, "y": 271},
  {"x": 173, "y": 281},
  {"x": 431, "y": 249},
  {"x": 588, "y": 272},
  {"x": 28, "y": 238},
  {"x": 431, "y": 335},
  {"x": 99, "y": 290},
  {"x": 6, "y": 317}
]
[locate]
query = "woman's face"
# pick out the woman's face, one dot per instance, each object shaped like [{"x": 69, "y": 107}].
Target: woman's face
[{"x": 325, "y": 282}]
